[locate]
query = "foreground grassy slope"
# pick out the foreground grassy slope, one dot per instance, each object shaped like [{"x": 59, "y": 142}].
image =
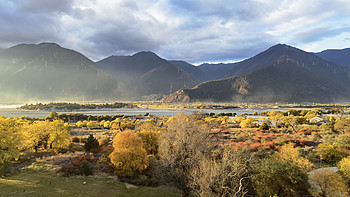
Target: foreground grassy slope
[{"x": 37, "y": 180}]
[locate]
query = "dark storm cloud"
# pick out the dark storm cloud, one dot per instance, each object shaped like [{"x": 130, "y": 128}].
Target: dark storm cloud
[
  {"x": 31, "y": 21},
  {"x": 196, "y": 30},
  {"x": 45, "y": 6},
  {"x": 123, "y": 39}
]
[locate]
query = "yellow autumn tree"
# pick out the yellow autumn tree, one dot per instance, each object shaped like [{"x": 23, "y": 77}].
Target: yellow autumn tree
[
  {"x": 59, "y": 135},
  {"x": 9, "y": 139},
  {"x": 149, "y": 133},
  {"x": 344, "y": 168},
  {"x": 289, "y": 154},
  {"x": 128, "y": 155}
]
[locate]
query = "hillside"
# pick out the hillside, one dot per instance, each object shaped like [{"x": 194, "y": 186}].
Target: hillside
[
  {"x": 194, "y": 71},
  {"x": 49, "y": 72},
  {"x": 145, "y": 73},
  {"x": 337, "y": 56},
  {"x": 216, "y": 71},
  {"x": 280, "y": 74}
]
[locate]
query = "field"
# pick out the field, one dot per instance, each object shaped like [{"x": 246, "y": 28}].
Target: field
[{"x": 38, "y": 180}]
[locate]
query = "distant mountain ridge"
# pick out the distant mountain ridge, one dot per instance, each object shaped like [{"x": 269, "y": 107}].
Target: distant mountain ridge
[
  {"x": 48, "y": 71},
  {"x": 217, "y": 71},
  {"x": 280, "y": 74},
  {"x": 146, "y": 73},
  {"x": 337, "y": 56}
]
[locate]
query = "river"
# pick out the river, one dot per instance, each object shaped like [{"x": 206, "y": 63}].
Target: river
[{"x": 11, "y": 111}]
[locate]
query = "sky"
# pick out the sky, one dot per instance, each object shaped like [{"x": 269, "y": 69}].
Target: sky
[{"x": 196, "y": 31}]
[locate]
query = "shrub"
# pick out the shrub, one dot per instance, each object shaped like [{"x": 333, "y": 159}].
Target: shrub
[
  {"x": 75, "y": 139},
  {"x": 103, "y": 142},
  {"x": 92, "y": 145}
]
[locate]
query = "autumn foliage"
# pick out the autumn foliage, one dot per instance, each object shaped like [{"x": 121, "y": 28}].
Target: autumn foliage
[{"x": 128, "y": 155}]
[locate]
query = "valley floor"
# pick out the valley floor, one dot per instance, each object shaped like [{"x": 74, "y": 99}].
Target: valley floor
[{"x": 38, "y": 180}]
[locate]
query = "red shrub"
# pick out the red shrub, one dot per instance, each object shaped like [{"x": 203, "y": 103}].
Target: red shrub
[
  {"x": 75, "y": 139},
  {"x": 254, "y": 146},
  {"x": 103, "y": 142}
]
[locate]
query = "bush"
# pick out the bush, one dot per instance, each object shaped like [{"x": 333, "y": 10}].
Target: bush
[
  {"x": 92, "y": 145},
  {"x": 79, "y": 165},
  {"x": 75, "y": 139},
  {"x": 103, "y": 142},
  {"x": 85, "y": 168}
]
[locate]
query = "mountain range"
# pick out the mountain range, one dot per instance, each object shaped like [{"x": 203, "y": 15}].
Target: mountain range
[
  {"x": 146, "y": 73},
  {"x": 49, "y": 72},
  {"x": 282, "y": 73},
  {"x": 337, "y": 56}
]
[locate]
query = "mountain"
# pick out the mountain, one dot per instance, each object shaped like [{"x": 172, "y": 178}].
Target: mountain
[
  {"x": 216, "y": 71},
  {"x": 47, "y": 71},
  {"x": 337, "y": 56},
  {"x": 145, "y": 73},
  {"x": 194, "y": 71},
  {"x": 282, "y": 52},
  {"x": 279, "y": 74}
]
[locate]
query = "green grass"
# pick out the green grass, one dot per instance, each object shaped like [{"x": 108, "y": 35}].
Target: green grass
[{"x": 35, "y": 181}]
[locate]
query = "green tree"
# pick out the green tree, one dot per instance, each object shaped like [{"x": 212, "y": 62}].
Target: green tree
[
  {"x": 92, "y": 144},
  {"x": 271, "y": 177},
  {"x": 52, "y": 115},
  {"x": 265, "y": 125}
]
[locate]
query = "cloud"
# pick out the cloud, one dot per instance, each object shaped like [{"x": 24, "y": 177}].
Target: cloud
[
  {"x": 318, "y": 34},
  {"x": 31, "y": 21},
  {"x": 197, "y": 30}
]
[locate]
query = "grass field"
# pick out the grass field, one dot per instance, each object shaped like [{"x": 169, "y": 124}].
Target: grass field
[{"x": 37, "y": 180}]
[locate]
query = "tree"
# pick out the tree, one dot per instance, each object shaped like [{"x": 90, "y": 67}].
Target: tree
[
  {"x": 10, "y": 130},
  {"x": 52, "y": 115},
  {"x": 249, "y": 123},
  {"x": 342, "y": 125},
  {"x": 344, "y": 168},
  {"x": 329, "y": 152},
  {"x": 293, "y": 122},
  {"x": 288, "y": 154},
  {"x": 272, "y": 177},
  {"x": 59, "y": 135},
  {"x": 265, "y": 125},
  {"x": 150, "y": 137},
  {"x": 275, "y": 117},
  {"x": 92, "y": 144},
  {"x": 226, "y": 174},
  {"x": 181, "y": 148},
  {"x": 92, "y": 124},
  {"x": 128, "y": 155},
  {"x": 37, "y": 134},
  {"x": 327, "y": 182}
]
